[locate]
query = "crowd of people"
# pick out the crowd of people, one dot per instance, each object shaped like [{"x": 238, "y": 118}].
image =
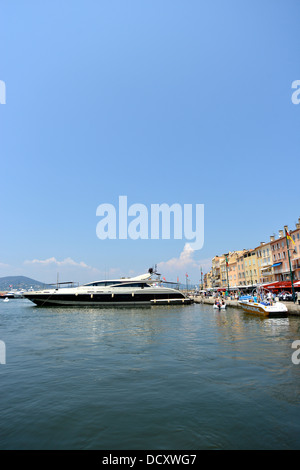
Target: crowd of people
[{"x": 263, "y": 296}]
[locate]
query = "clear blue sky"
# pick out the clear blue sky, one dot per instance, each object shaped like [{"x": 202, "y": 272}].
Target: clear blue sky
[{"x": 163, "y": 101}]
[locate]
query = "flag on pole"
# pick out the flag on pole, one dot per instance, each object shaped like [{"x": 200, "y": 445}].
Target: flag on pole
[
  {"x": 186, "y": 274},
  {"x": 287, "y": 233},
  {"x": 164, "y": 279}
]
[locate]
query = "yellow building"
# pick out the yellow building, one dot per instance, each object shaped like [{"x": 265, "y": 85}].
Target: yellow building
[
  {"x": 234, "y": 269},
  {"x": 264, "y": 262},
  {"x": 251, "y": 268},
  {"x": 207, "y": 280},
  {"x": 241, "y": 269}
]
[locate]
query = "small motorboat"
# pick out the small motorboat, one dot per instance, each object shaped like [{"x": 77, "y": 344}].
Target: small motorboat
[
  {"x": 264, "y": 308},
  {"x": 6, "y": 299},
  {"x": 257, "y": 304},
  {"x": 220, "y": 306}
]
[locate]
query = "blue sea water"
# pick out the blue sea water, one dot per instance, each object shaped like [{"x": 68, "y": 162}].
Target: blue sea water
[{"x": 180, "y": 377}]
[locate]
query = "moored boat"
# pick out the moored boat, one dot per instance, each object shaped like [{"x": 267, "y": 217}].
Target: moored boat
[
  {"x": 13, "y": 294},
  {"x": 259, "y": 306},
  {"x": 220, "y": 306},
  {"x": 7, "y": 295},
  {"x": 140, "y": 290}
]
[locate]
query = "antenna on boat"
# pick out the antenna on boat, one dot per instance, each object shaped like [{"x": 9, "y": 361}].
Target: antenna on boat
[{"x": 153, "y": 270}]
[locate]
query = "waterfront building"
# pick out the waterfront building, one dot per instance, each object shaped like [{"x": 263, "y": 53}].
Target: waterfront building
[
  {"x": 216, "y": 271},
  {"x": 241, "y": 269},
  {"x": 280, "y": 258},
  {"x": 208, "y": 280},
  {"x": 264, "y": 263},
  {"x": 205, "y": 283},
  {"x": 223, "y": 271},
  {"x": 295, "y": 234},
  {"x": 233, "y": 273},
  {"x": 251, "y": 270}
]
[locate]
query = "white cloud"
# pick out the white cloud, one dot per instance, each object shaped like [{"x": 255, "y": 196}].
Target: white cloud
[
  {"x": 66, "y": 262},
  {"x": 3, "y": 265},
  {"x": 185, "y": 262}
]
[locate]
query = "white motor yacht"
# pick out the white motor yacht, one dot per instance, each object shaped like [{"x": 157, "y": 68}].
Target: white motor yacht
[{"x": 140, "y": 290}]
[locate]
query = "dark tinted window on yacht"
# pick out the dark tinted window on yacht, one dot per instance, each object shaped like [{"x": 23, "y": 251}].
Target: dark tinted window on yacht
[
  {"x": 102, "y": 283},
  {"x": 134, "y": 284}
]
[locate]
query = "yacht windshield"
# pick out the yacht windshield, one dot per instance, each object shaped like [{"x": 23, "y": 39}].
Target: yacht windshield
[
  {"x": 134, "y": 284},
  {"x": 102, "y": 283},
  {"x": 116, "y": 283}
]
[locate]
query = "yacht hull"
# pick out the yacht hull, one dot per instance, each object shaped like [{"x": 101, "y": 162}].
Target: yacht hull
[{"x": 96, "y": 300}]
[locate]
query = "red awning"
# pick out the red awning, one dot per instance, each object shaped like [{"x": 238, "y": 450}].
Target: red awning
[{"x": 279, "y": 285}]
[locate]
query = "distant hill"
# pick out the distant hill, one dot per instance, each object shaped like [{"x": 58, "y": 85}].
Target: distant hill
[{"x": 19, "y": 282}]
